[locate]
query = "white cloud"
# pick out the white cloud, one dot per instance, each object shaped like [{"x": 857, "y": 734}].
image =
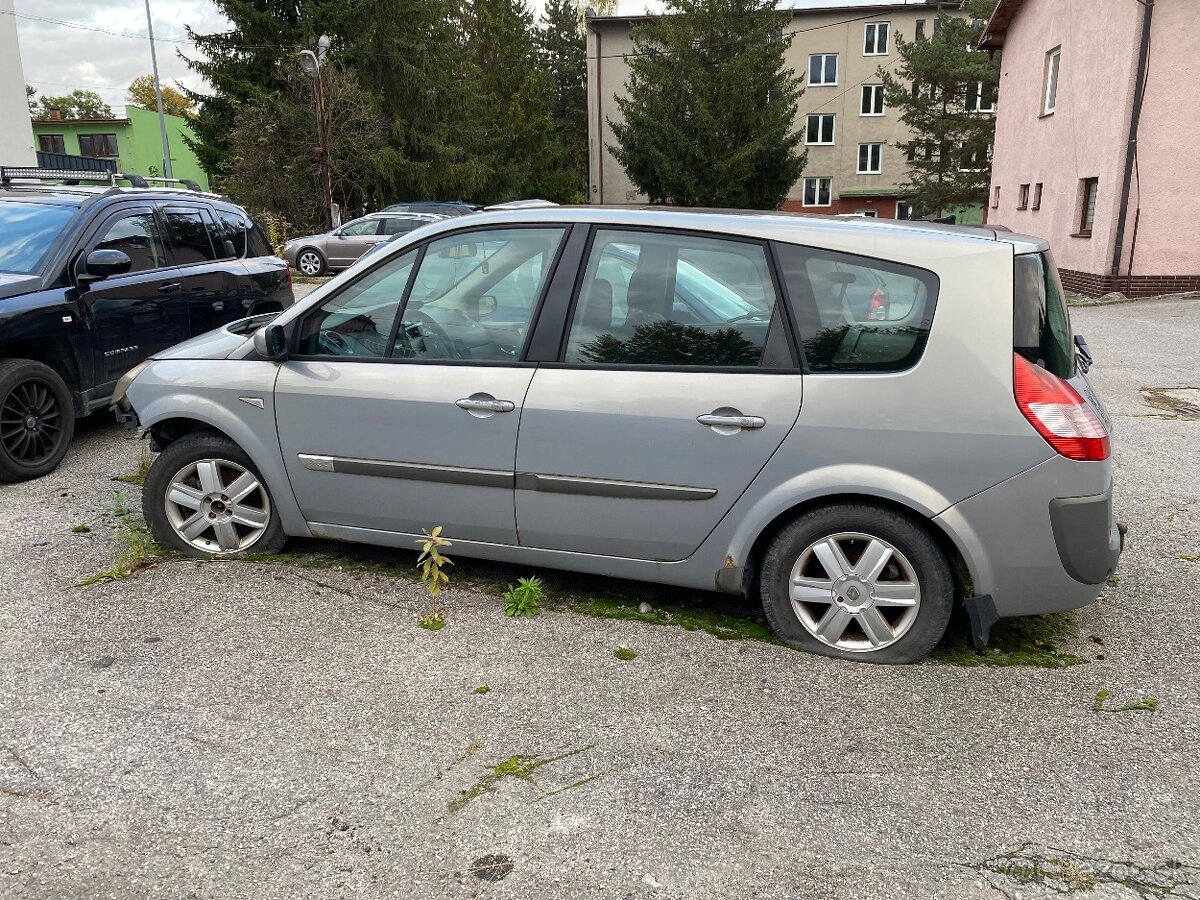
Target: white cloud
[{"x": 58, "y": 58}]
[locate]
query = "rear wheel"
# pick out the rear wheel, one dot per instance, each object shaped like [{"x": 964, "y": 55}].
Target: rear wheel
[
  {"x": 204, "y": 497},
  {"x": 857, "y": 582},
  {"x": 37, "y": 419},
  {"x": 310, "y": 262}
]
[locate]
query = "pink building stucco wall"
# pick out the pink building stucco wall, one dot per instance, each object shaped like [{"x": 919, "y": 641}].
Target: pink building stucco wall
[
  {"x": 1168, "y": 149},
  {"x": 1085, "y": 136}
]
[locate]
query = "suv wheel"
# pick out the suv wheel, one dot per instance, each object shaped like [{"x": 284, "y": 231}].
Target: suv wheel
[
  {"x": 37, "y": 419},
  {"x": 857, "y": 582},
  {"x": 310, "y": 262},
  {"x": 205, "y": 497}
]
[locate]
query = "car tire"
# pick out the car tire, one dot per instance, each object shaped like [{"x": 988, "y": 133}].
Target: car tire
[
  {"x": 857, "y": 582},
  {"x": 204, "y": 497},
  {"x": 37, "y": 420},
  {"x": 311, "y": 262}
]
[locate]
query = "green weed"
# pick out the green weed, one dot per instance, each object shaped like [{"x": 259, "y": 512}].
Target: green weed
[{"x": 525, "y": 599}]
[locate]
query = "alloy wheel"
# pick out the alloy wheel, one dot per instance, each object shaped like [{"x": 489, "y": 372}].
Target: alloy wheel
[
  {"x": 309, "y": 263},
  {"x": 31, "y": 424},
  {"x": 854, "y": 592},
  {"x": 217, "y": 506}
]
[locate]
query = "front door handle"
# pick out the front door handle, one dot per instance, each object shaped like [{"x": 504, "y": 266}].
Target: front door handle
[
  {"x": 727, "y": 420},
  {"x": 483, "y": 406},
  {"x": 170, "y": 288}
]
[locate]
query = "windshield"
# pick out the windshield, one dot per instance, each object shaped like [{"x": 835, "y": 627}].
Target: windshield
[{"x": 26, "y": 232}]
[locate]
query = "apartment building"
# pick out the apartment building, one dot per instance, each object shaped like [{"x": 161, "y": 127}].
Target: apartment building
[
  {"x": 16, "y": 137},
  {"x": 1096, "y": 137},
  {"x": 854, "y": 165}
]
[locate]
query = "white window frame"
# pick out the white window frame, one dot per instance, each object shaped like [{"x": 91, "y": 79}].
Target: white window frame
[
  {"x": 877, "y": 98},
  {"x": 960, "y": 147},
  {"x": 1050, "y": 79},
  {"x": 817, "y": 192},
  {"x": 820, "y": 128},
  {"x": 974, "y": 99},
  {"x": 824, "y": 57},
  {"x": 871, "y": 40},
  {"x": 875, "y": 150}
]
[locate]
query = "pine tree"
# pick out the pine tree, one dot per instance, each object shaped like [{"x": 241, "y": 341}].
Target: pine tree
[
  {"x": 563, "y": 50},
  {"x": 939, "y": 86},
  {"x": 519, "y": 96},
  {"x": 711, "y": 106}
]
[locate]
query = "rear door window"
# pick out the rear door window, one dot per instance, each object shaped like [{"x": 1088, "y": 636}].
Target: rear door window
[
  {"x": 1041, "y": 324},
  {"x": 231, "y": 227},
  {"x": 857, "y": 313},
  {"x": 660, "y": 299},
  {"x": 189, "y": 235}
]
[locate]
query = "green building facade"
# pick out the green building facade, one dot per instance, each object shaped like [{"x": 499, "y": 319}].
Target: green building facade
[{"x": 134, "y": 142}]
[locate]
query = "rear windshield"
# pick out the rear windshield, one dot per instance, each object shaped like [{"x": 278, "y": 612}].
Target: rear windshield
[
  {"x": 27, "y": 230},
  {"x": 1041, "y": 324}
]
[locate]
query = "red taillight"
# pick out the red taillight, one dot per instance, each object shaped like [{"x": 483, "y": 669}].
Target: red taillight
[
  {"x": 877, "y": 309},
  {"x": 1059, "y": 414},
  {"x": 289, "y": 275}
]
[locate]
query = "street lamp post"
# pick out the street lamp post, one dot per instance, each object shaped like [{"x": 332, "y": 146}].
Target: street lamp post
[
  {"x": 310, "y": 62},
  {"x": 162, "y": 122}
]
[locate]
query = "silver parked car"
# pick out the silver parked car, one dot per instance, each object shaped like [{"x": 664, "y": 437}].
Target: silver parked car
[
  {"x": 316, "y": 254},
  {"x": 679, "y": 397}
]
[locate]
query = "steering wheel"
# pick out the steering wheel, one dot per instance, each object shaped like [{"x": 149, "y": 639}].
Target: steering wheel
[
  {"x": 425, "y": 338},
  {"x": 333, "y": 344}
]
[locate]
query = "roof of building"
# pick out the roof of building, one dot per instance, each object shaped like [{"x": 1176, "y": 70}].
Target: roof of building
[
  {"x": 66, "y": 121},
  {"x": 806, "y": 7},
  {"x": 997, "y": 26}
]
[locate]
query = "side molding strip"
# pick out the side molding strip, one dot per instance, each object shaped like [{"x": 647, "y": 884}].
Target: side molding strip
[{"x": 598, "y": 487}]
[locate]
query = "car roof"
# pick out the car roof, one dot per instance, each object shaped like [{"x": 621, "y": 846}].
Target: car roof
[{"x": 821, "y": 230}]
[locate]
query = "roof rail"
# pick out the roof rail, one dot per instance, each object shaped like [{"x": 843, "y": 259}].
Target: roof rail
[
  {"x": 186, "y": 182},
  {"x": 67, "y": 176}
]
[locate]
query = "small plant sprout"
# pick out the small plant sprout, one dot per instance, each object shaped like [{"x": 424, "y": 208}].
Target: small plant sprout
[
  {"x": 433, "y": 621},
  {"x": 431, "y": 561},
  {"x": 624, "y": 653},
  {"x": 482, "y": 689},
  {"x": 525, "y": 599},
  {"x": 1142, "y": 704}
]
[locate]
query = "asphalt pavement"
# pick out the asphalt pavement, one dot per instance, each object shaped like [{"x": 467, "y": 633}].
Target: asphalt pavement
[{"x": 263, "y": 730}]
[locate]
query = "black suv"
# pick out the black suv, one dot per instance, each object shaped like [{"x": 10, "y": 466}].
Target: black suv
[{"x": 93, "y": 280}]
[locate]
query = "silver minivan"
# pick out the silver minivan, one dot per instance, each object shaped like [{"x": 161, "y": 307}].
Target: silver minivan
[{"x": 861, "y": 423}]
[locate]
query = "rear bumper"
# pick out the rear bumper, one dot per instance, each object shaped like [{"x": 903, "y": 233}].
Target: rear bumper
[{"x": 1042, "y": 541}]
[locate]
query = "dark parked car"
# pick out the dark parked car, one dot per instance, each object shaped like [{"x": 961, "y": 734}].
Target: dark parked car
[
  {"x": 93, "y": 280},
  {"x": 441, "y": 207}
]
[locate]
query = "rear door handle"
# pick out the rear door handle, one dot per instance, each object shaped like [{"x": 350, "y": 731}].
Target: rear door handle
[
  {"x": 170, "y": 288},
  {"x": 730, "y": 421},
  {"x": 484, "y": 405}
]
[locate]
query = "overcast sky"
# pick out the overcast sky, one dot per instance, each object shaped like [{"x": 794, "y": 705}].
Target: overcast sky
[{"x": 58, "y": 58}]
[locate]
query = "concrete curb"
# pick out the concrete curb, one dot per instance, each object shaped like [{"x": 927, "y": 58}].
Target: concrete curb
[{"x": 1110, "y": 299}]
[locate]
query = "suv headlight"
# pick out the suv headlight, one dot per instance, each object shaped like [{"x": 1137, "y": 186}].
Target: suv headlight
[{"x": 125, "y": 381}]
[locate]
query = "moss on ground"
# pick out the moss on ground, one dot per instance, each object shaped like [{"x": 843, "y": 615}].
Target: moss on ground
[{"x": 1024, "y": 641}]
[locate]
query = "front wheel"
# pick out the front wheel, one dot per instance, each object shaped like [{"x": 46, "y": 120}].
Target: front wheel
[
  {"x": 37, "y": 419},
  {"x": 310, "y": 262},
  {"x": 857, "y": 582},
  {"x": 204, "y": 497}
]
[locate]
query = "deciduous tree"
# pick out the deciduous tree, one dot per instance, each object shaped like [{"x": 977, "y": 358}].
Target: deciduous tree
[
  {"x": 79, "y": 104},
  {"x": 175, "y": 103}
]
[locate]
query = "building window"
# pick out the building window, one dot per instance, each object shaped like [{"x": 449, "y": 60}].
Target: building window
[
  {"x": 920, "y": 31},
  {"x": 1088, "y": 189},
  {"x": 872, "y": 100},
  {"x": 51, "y": 143},
  {"x": 818, "y": 191},
  {"x": 1050, "y": 96},
  {"x": 1037, "y": 196},
  {"x": 996, "y": 197},
  {"x": 980, "y": 97},
  {"x": 974, "y": 157},
  {"x": 903, "y": 209},
  {"x": 98, "y": 144},
  {"x": 1023, "y": 197},
  {"x": 820, "y": 129},
  {"x": 876, "y": 42},
  {"x": 870, "y": 159},
  {"x": 822, "y": 69}
]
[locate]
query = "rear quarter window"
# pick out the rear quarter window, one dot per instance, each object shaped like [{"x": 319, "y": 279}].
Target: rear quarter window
[{"x": 856, "y": 313}]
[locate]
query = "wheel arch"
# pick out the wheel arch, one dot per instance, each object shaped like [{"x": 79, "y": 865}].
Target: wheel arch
[
  {"x": 959, "y": 565},
  {"x": 56, "y": 353}
]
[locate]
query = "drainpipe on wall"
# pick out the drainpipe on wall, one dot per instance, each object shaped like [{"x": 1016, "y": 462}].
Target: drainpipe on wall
[
  {"x": 590, "y": 14},
  {"x": 1139, "y": 90}
]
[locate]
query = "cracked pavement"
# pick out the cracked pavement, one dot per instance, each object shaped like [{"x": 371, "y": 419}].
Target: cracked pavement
[{"x": 253, "y": 730}]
